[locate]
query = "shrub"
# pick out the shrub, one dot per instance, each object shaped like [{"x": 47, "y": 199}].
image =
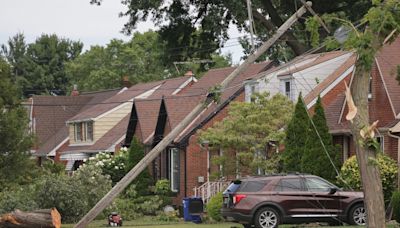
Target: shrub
[
  {"x": 214, "y": 207},
  {"x": 67, "y": 196},
  {"x": 132, "y": 204},
  {"x": 113, "y": 166},
  {"x": 134, "y": 155},
  {"x": 73, "y": 196},
  {"x": 22, "y": 198},
  {"x": 396, "y": 205},
  {"x": 350, "y": 175}
]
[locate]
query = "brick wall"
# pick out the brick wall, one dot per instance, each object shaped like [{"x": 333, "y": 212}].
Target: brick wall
[{"x": 196, "y": 158}]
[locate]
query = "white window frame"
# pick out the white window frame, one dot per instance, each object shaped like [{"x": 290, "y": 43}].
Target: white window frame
[
  {"x": 84, "y": 135},
  {"x": 174, "y": 169}
]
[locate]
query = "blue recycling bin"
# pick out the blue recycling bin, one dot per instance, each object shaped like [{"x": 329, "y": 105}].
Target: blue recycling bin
[{"x": 192, "y": 209}]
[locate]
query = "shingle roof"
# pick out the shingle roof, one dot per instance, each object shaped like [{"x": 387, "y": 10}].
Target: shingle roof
[
  {"x": 147, "y": 111},
  {"x": 114, "y": 101},
  {"x": 210, "y": 79},
  {"x": 50, "y": 114},
  {"x": 388, "y": 59}
]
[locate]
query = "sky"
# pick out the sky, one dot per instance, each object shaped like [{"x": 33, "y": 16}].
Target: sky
[{"x": 77, "y": 20}]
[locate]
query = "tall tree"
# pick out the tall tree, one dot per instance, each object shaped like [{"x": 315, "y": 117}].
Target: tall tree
[
  {"x": 15, "y": 143},
  {"x": 39, "y": 67},
  {"x": 320, "y": 152},
  {"x": 214, "y": 18},
  {"x": 144, "y": 58},
  {"x": 296, "y": 136},
  {"x": 380, "y": 25},
  {"x": 246, "y": 132}
]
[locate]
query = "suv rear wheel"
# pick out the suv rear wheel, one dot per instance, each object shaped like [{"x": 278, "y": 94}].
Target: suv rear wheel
[
  {"x": 358, "y": 215},
  {"x": 267, "y": 217}
]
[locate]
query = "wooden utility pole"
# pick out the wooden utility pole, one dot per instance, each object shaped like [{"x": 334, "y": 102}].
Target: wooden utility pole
[{"x": 135, "y": 171}]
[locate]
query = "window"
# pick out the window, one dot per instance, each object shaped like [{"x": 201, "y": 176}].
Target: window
[
  {"x": 174, "y": 169},
  {"x": 318, "y": 185},
  {"x": 370, "y": 88},
  {"x": 89, "y": 131},
  {"x": 381, "y": 142},
  {"x": 253, "y": 186},
  {"x": 286, "y": 87},
  {"x": 78, "y": 132},
  {"x": 289, "y": 185},
  {"x": 83, "y": 131}
]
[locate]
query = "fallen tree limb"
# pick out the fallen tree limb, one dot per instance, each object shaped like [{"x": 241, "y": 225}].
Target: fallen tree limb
[{"x": 44, "y": 218}]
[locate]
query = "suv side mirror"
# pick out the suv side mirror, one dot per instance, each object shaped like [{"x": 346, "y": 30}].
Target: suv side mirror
[{"x": 332, "y": 191}]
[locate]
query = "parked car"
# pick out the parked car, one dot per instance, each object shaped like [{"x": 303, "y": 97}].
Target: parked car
[{"x": 268, "y": 201}]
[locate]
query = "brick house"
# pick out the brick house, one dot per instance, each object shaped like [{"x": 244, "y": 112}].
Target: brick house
[
  {"x": 183, "y": 162},
  {"x": 48, "y": 114},
  {"x": 102, "y": 127},
  {"x": 186, "y": 162}
]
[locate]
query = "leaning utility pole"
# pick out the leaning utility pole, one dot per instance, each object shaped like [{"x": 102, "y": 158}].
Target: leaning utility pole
[{"x": 135, "y": 171}]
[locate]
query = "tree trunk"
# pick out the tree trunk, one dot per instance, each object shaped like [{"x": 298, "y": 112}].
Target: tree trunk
[
  {"x": 370, "y": 176},
  {"x": 46, "y": 218}
]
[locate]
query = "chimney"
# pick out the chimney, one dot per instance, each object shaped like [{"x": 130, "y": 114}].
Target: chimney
[
  {"x": 189, "y": 73},
  {"x": 125, "y": 82},
  {"x": 75, "y": 91}
]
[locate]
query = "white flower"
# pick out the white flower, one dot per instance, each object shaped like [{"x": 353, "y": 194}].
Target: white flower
[
  {"x": 91, "y": 158},
  {"x": 116, "y": 167}
]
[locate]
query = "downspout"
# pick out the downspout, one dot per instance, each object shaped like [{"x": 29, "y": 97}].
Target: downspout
[
  {"x": 398, "y": 157},
  {"x": 185, "y": 175}
]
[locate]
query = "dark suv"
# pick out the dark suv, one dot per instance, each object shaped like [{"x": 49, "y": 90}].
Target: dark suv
[{"x": 268, "y": 201}]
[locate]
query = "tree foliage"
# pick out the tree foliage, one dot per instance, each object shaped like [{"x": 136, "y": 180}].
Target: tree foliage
[
  {"x": 135, "y": 155},
  {"x": 179, "y": 19},
  {"x": 319, "y": 150},
  {"x": 246, "y": 132},
  {"x": 297, "y": 133},
  {"x": 144, "y": 58},
  {"x": 350, "y": 174},
  {"x": 39, "y": 67},
  {"x": 15, "y": 164}
]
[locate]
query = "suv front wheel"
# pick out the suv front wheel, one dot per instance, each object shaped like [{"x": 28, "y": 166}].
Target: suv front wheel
[{"x": 267, "y": 217}]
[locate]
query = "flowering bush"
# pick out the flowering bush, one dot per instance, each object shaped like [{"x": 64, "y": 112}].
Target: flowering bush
[
  {"x": 113, "y": 166},
  {"x": 350, "y": 174}
]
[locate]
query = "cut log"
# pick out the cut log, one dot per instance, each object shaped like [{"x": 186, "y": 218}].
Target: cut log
[{"x": 44, "y": 218}]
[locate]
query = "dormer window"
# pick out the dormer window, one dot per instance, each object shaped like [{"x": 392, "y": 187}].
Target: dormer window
[{"x": 83, "y": 131}]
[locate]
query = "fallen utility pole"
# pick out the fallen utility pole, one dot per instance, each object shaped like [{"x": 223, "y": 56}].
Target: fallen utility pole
[{"x": 153, "y": 154}]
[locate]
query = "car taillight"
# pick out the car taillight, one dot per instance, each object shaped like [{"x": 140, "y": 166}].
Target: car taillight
[{"x": 238, "y": 198}]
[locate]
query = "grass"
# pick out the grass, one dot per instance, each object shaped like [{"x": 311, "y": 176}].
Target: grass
[
  {"x": 150, "y": 222},
  {"x": 146, "y": 224}
]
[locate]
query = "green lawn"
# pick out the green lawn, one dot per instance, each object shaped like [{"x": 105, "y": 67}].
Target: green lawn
[
  {"x": 131, "y": 224},
  {"x": 150, "y": 222}
]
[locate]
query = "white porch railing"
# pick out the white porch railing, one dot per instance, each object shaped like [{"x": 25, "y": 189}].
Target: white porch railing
[{"x": 210, "y": 189}]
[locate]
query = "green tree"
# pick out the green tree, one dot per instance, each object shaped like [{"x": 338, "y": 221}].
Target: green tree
[
  {"x": 178, "y": 21},
  {"x": 144, "y": 58},
  {"x": 296, "y": 135},
  {"x": 15, "y": 144},
  {"x": 39, "y": 67},
  {"x": 135, "y": 155},
  {"x": 246, "y": 132},
  {"x": 315, "y": 159}
]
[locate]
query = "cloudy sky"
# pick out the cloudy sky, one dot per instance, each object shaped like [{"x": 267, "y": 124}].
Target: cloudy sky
[{"x": 76, "y": 20}]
